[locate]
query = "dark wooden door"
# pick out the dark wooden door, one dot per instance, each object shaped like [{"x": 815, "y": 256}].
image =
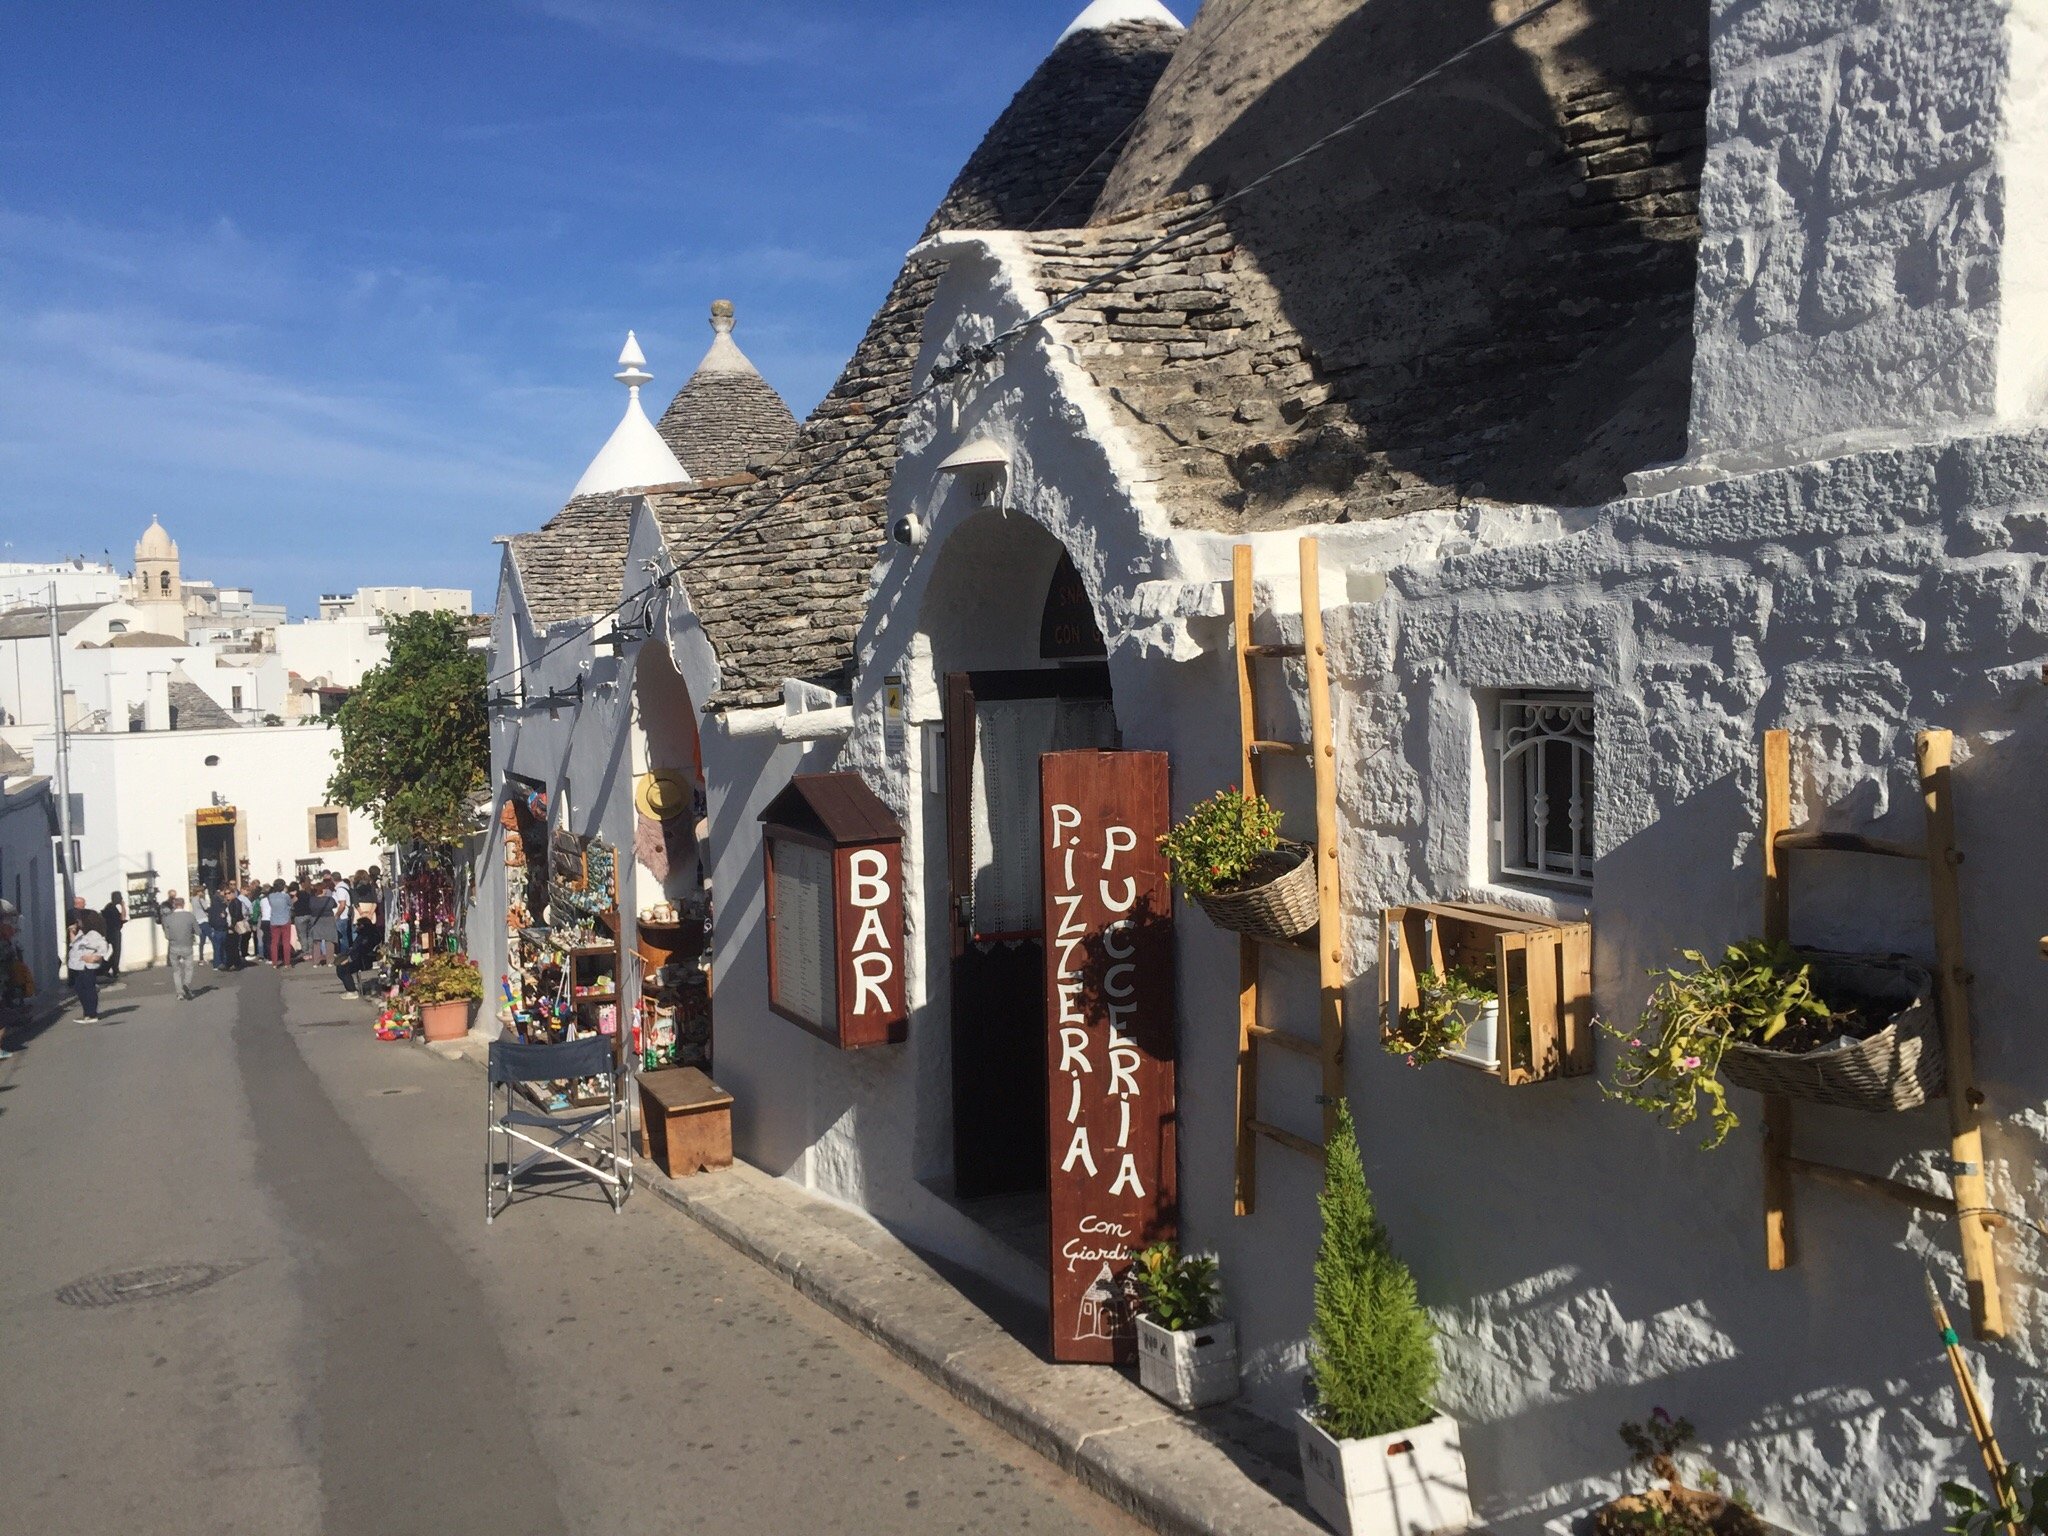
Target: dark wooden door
[{"x": 998, "y": 967}]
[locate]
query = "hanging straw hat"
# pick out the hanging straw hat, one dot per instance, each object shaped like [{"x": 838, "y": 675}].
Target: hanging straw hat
[{"x": 662, "y": 795}]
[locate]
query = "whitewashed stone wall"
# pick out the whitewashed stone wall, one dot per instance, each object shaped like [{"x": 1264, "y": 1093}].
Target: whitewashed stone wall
[
  {"x": 1875, "y": 221},
  {"x": 1585, "y": 1265}
]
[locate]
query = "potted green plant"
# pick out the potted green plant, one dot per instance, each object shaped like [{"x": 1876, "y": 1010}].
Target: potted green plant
[
  {"x": 1377, "y": 1458},
  {"x": 447, "y": 989},
  {"x": 1669, "y": 1507},
  {"x": 1187, "y": 1350},
  {"x": 1456, "y": 1014},
  {"x": 1228, "y": 856},
  {"x": 1855, "y": 1030}
]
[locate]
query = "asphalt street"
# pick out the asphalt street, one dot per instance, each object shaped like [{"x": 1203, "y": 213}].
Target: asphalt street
[{"x": 246, "y": 1286}]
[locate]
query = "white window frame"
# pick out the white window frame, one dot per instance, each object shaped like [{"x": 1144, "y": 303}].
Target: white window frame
[{"x": 1529, "y": 725}]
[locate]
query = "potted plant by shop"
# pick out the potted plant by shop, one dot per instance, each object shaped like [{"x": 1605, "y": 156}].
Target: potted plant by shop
[
  {"x": 1854, "y": 1030},
  {"x": 1228, "y": 856},
  {"x": 1187, "y": 1350},
  {"x": 1377, "y": 1458},
  {"x": 1456, "y": 1015},
  {"x": 447, "y": 989},
  {"x": 1669, "y": 1507}
]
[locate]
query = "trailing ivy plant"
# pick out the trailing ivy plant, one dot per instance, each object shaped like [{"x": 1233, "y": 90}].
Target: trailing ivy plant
[
  {"x": 1218, "y": 843},
  {"x": 1176, "y": 1290},
  {"x": 1372, "y": 1349},
  {"x": 1435, "y": 1027},
  {"x": 1670, "y": 1064}
]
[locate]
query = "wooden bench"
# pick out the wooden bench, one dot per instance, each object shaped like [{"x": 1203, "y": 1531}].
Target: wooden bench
[{"x": 685, "y": 1121}]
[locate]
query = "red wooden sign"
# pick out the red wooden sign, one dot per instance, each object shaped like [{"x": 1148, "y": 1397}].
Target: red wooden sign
[{"x": 1109, "y": 1038}]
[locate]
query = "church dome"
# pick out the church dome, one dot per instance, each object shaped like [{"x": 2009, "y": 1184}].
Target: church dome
[{"x": 155, "y": 543}]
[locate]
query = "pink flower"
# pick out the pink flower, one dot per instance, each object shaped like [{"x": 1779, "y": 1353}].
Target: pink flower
[{"x": 1690, "y": 1063}]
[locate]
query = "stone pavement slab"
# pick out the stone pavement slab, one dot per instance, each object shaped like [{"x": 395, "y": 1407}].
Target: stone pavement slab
[{"x": 1219, "y": 1473}]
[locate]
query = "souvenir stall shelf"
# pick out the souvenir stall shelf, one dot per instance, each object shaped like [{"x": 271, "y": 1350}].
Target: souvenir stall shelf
[
  {"x": 675, "y": 989},
  {"x": 564, "y": 979}
]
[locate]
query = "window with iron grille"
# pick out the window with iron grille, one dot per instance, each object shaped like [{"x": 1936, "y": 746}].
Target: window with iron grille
[{"x": 1545, "y": 779}]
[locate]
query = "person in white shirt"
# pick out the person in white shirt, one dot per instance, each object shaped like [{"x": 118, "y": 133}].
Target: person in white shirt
[{"x": 88, "y": 953}]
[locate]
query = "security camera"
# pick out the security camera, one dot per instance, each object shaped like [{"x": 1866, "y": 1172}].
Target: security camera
[{"x": 910, "y": 531}]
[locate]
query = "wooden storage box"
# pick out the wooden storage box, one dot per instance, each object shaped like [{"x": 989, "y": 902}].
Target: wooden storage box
[
  {"x": 1541, "y": 970},
  {"x": 685, "y": 1121}
]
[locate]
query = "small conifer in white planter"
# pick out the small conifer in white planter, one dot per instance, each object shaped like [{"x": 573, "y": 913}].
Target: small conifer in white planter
[
  {"x": 1377, "y": 1458},
  {"x": 1187, "y": 1350}
]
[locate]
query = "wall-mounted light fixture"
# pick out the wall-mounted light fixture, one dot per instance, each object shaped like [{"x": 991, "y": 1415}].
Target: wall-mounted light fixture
[{"x": 985, "y": 467}]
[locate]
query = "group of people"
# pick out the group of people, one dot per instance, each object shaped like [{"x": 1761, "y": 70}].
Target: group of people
[{"x": 323, "y": 920}]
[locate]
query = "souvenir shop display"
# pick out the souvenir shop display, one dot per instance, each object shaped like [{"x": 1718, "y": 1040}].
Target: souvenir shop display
[
  {"x": 563, "y": 973},
  {"x": 675, "y": 987}
]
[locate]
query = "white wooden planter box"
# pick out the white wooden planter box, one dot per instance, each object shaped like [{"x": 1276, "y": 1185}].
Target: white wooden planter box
[
  {"x": 1406, "y": 1484},
  {"x": 1482, "y": 1034},
  {"x": 1192, "y": 1368}
]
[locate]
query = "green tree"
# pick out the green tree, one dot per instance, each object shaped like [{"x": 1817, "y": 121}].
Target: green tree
[
  {"x": 1372, "y": 1351},
  {"x": 415, "y": 742}
]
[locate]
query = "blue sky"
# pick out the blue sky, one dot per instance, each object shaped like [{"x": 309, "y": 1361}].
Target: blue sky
[{"x": 336, "y": 290}]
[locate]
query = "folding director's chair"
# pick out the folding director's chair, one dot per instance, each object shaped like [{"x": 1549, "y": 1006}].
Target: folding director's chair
[{"x": 596, "y": 1132}]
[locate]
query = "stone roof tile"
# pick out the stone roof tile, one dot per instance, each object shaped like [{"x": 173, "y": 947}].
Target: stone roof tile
[
  {"x": 570, "y": 568},
  {"x": 784, "y": 597}
]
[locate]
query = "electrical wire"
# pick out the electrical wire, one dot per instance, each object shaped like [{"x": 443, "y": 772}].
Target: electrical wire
[{"x": 977, "y": 357}]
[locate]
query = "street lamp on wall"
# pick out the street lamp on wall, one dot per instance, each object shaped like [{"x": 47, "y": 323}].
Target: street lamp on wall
[{"x": 984, "y": 466}]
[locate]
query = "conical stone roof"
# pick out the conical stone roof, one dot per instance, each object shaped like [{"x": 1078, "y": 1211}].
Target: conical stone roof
[{"x": 726, "y": 417}]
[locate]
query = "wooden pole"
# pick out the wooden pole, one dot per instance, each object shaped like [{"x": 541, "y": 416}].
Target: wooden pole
[
  {"x": 1242, "y": 594},
  {"x": 1780, "y": 1247},
  {"x": 1329, "y": 904},
  {"x": 1973, "y": 1406},
  {"x": 1933, "y": 751}
]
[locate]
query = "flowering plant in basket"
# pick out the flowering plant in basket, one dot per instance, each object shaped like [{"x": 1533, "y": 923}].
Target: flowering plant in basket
[
  {"x": 1670, "y": 1065},
  {"x": 1221, "y": 842},
  {"x": 446, "y": 979}
]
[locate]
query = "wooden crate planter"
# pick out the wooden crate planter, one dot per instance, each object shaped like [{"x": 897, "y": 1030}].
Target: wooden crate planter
[
  {"x": 1542, "y": 971},
  {"x": 685, "y": 1121}
]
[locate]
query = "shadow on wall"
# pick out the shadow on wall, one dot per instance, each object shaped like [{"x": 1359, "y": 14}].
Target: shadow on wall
[{"x": 1493, "y": 277}]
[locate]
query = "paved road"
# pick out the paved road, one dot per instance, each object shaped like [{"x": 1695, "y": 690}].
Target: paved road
[{"x": 368, "y": 1359}]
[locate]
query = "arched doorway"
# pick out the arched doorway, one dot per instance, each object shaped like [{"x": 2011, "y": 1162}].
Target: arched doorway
[
  {"x": 1019, "y": 658},
  {"x": 672, "y": 891}
]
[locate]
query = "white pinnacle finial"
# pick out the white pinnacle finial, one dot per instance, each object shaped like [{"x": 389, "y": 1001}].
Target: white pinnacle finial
[{"x": 633, "y": 366}]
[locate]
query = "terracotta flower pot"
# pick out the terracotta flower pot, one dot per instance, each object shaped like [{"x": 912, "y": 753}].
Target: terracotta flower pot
[{"x": 446, "y": 1021}]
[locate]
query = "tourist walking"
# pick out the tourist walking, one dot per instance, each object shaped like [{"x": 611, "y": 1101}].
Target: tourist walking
[
  {"x": 217, "y": 929},
  {"x": 321, "y": 931},
  {"x": 113, "y": 917},
  {"x": 345, "y": 911},
  {"x": 302, "y": 917},
  {"x": 85, "y": 959},
  {"x": 181, "y": 936},
  {"x": 277, "y": 924},
  {"x": 245, "y": 928}
]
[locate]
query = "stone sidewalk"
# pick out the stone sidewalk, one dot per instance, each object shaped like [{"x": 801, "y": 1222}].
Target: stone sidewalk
[{"x": 1221, "y": 1472}]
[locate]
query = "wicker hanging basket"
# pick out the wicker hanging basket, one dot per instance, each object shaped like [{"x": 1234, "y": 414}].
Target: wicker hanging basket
[
  {"x": 1282, "y": 907},
  {"x": 1899, "y": 1067}
]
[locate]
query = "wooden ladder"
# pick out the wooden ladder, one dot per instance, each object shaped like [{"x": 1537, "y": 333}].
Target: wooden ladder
[
  {"x": 1969, "y": 1204},
  {"x": 1328, "y": 936}
]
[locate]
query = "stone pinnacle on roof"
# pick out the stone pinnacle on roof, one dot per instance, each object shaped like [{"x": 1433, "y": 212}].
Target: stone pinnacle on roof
[
  {"x": 1103, "y": 14},
  {"x": 726, "y": 417},
  {"x": 635, "y": 455}
]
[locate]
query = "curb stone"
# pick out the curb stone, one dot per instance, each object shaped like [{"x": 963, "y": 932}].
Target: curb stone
[
  {"x": 1223, "y": 1472},
  {"x": 1185, "y": 1475}
]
